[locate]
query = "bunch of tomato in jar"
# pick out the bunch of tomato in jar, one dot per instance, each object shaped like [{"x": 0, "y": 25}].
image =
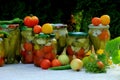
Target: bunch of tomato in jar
[{"x": 44, "y": 48}]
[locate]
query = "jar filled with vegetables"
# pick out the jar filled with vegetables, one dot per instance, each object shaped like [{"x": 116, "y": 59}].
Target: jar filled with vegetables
[
  {"x": 77, "y": 44},
  {"x": 2, "y": 51},
  {"x": 27, "y": 45},
  {"x": 12, "y": 51},
  {"x": 99, "y": 35},
  {"x": 60, "y": 31},
  {"x": 44, "y": 47}
]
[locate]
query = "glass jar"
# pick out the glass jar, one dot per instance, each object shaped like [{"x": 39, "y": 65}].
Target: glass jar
[
  {"x": 44, "y": 47},
  {"x": 60, "y": 31},
  {"x": 99, "y": 35},
  {"x": 27, "y": 45},
  {"x": 12, "y": 51},
  {"x": 77, "y": 44},
  {"x": 2, "y": 54}
]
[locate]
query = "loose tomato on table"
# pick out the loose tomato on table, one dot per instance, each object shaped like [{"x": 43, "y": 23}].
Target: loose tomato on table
[
  {"x": 31, "y": 21},
  {"x": 45, "y": 64},
  {"x": 55, "y": 62}
]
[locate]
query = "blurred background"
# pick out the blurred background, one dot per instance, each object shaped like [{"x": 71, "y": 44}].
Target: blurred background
[{"x": 61, "y": 11}]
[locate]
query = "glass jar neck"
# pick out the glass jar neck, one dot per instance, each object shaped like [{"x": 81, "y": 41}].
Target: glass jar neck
[{"x": 91, "y": 26}]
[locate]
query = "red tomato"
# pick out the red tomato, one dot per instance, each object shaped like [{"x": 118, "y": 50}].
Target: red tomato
[
  {"x": 100, "y": 64},
  {"x": 28, "y": 46},
  {"x": 37, "y": 61},
  {"x": 31, "y": 21},
  {"x": 39, "y": 53},
  {"x": 47, "y": 49},
  {"x": 37, "y": 29},
  {"x": 104, "y": 35},
  {"x": 28, "y": 58},
  {"x": 81, "y": 53},
  {"x": 69, "y": 50},
  {"x": 45, "y": 64},
  {"x": 1, "y": 62},
  {"x": 96, "y": 21},
  {"x": 56, "y": 62},
  {"x": 50, "y": 56},
  {"x": 23, "y": 53}
]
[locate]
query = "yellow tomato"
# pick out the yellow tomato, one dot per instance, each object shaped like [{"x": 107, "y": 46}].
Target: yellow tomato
[
  {"x": 47, "y": 28},
  {"x": 105, "y": 19}
]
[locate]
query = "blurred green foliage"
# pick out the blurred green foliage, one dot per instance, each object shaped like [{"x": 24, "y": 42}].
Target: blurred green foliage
[{"x": 59, "y": 11}]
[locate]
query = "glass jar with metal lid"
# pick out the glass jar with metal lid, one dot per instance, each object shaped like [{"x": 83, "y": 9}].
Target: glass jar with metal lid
[
  {"x": 44, "y": 47},
  {"x": 99, "y": 35},
  {"x": 27, "y": 45},
  {"x": 77, "y": 44},
  {"x": 60, "y": 31}
]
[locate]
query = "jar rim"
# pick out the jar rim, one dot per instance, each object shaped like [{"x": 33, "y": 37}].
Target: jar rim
[
  {"x": 59, "y": 25},
  {"x": 99, "y": 26},
  {"x": 77, "y": 33}
]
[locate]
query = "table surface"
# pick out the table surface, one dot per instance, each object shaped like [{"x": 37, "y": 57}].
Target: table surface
[{"x": 30, "y": 72}]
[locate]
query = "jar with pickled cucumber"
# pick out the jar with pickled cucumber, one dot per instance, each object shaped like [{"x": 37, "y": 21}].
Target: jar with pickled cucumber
[
  {"x": 77, "y": 44},
  {"x": 44, "y": 47},
  {"x": 99, "y": 35},
  {"x": 60, "y": 31},
  {"x": 27, "y": 45},
  {"x": 12, "y": 43}
]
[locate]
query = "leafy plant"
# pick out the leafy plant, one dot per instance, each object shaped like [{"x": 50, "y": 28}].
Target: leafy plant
[{"x": 113, "y": 49}]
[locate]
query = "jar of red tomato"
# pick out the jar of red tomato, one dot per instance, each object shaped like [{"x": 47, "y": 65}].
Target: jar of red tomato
[
  {"x": 99, "y": 35},
  {"x": 44, "y": 47},
  {"x": 77, "y": 44},
  {"x": 27, "y": 45}
]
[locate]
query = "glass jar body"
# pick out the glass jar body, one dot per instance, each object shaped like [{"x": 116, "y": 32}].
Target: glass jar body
[
  {"x": 27, "y": 46},
  {"x": 77, "y": 44},
  {"x": 12, "y": 43},
  {"x": 99, "y": 35},
  {"x": 2, "y": 54},
  {"x": 44, "y": 48},
  {"x": 61, "y": 33}
]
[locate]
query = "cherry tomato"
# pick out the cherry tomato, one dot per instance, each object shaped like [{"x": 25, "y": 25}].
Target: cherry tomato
[
  {"x": 56, "y": 62},
  {"x": 100, "y": 64},
  {"x": 81, "y": 53},
  {"x": 47, "y": 49},
  {"x": 45, "y": 64},
  {"x": 96, "y": 21},
  {"x": 69, "y": 50},
  {"x": 50, "y": 56},
  {"x": 37, "y": 29},
  {"x": 28, "y": 46}
]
